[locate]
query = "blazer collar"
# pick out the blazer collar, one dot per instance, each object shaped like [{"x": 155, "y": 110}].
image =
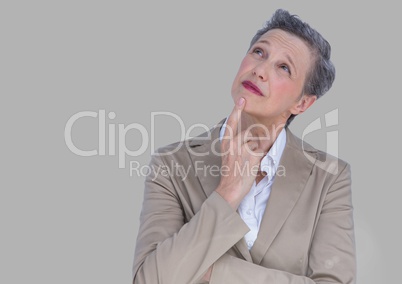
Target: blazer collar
[
  {"x": 205, "y": 152},
  {"x": 294, "y": 170}
]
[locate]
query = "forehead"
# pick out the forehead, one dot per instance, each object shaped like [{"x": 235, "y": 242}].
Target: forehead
[{"x": 289, "y": 44}]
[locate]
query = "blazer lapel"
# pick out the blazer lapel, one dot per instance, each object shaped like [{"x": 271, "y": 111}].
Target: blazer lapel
[
  {"x": 241, "y": 248},
  {"x": 290, "y": 180},
  {"x": 205, "y": 152}
]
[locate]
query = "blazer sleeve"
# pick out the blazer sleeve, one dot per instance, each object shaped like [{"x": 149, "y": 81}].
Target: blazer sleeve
[
  {"x": 168, "y": 250},
  {"x": 332, "y": 252}
]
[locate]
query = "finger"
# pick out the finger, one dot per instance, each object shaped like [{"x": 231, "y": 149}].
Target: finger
[
  {"x": 251, "y": 146},
  {"x": 247, "y": 136},
  {"x": 257, "y": 146},
  {"x": 255, "y": 155},
  {"x": 234, "y": 118}
]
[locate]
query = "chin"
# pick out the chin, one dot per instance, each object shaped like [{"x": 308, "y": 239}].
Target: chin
[{"x": 237, "y": 96}]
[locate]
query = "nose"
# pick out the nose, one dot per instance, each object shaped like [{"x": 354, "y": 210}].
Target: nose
[{"x": 260, "y": 71}]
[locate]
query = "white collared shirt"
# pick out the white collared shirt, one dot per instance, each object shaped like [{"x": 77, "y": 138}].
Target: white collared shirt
[{"x": 253, "y": 205}]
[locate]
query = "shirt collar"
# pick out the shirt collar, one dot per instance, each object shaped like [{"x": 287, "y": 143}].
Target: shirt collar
[{"x": 270, "y": 162}]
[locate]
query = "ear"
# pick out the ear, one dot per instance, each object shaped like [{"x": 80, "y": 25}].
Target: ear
[{"x": 303, "y": 104}]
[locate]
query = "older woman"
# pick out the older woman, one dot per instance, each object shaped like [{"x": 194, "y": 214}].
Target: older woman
[{"x": 257, "y": 205}]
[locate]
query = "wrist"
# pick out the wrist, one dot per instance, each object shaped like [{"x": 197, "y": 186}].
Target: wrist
[{"x": 230, "y": 196}]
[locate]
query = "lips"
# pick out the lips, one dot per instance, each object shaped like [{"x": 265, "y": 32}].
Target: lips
[{"x": 252, "y": 88}]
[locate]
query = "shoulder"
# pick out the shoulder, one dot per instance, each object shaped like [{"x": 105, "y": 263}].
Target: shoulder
[{"x": 323, "y": 161}]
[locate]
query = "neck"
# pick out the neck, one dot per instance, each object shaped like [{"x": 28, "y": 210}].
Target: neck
[{"x": 267, "y": 131}]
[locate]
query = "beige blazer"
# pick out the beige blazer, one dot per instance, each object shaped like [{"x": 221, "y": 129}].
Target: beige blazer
[{"x": 306, "y": 234}]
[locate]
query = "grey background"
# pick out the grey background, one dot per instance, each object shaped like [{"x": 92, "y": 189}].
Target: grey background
[{"x": 71, "y": 219}]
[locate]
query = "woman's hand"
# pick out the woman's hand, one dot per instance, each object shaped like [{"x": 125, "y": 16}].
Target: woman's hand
[{"x": 241, "y": 156}]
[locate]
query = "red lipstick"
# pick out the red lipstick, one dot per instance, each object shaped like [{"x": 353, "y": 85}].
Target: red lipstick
[{"x": 252, "y": 88}]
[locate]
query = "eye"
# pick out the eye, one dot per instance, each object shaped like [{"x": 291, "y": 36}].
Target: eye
[
  {"x": 285, "y": 67},
  {"x": 258, "y": 51}
]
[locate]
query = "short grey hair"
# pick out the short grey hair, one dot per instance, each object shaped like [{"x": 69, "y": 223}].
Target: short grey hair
[{"x": 322, "y": 74}]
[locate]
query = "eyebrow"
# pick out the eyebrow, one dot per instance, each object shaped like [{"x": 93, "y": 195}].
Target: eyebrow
[{"x": 286, "y": 55}]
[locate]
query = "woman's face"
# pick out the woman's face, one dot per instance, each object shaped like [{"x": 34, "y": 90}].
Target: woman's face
[{"x": 271, "y": 77}]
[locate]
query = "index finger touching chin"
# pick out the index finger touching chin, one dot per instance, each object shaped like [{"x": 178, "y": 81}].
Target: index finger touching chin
[{"x": 234, "y": 118}]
